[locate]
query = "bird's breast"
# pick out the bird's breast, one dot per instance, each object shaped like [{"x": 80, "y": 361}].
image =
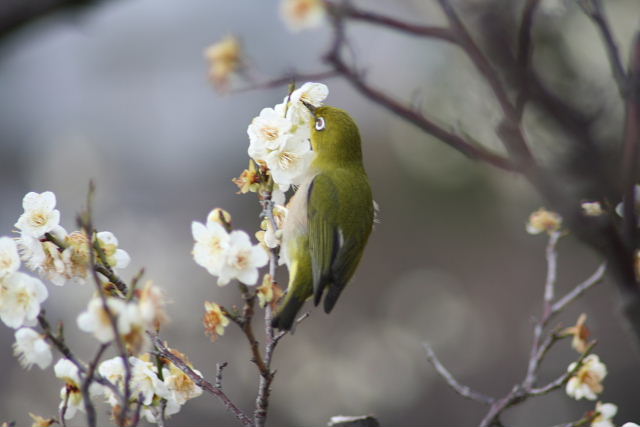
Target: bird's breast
[{"x": 296, "y": 223}]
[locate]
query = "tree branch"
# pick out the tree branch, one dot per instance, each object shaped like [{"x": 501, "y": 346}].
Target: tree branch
[
  {"x": 461, "y": 389},
  {"x": 347, "y": 10},
  {"x": 15, "y": 14},
  {"x": 164, "y": 352},
  {"x": 595, "y": 10}
]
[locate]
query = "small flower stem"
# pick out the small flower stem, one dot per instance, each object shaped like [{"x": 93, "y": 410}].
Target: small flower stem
[
  {"x": 86, "y": 223},
  {"x": 58, "y": 343},
  {"x": 86, "y": 386},
  {"x": 164, "y": 352},
  {"x": 63, "y": 409}
]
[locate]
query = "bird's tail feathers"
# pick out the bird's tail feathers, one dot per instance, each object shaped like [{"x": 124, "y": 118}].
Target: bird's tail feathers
[{"x": 286, "y": 316}]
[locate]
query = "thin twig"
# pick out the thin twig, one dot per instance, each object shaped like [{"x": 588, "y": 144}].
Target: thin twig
[
  {"x": 219, "y": 368},
  {"x": 63, "y": 409},
  {"x": 562, "y": 379},
  {"x": 58, "y": 343},
  {"x": 576, "y": 292},
  {"x": 461, "y": 389},
  {"x": 552, "y": 269},
  {"x": 86, "y": 386},
  {"x": 164, "y": 352}
]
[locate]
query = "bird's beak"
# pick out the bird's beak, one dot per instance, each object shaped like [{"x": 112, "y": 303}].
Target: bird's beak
[{"x": 310, "y": 107}]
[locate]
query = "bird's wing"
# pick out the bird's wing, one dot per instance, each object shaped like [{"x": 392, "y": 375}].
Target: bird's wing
[
  {"x": 334, "y": 256},
  {"x": 322, "y": 215}
]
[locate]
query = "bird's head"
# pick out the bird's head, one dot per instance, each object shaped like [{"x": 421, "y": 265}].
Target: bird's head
[{"x": 334, "y": 135}]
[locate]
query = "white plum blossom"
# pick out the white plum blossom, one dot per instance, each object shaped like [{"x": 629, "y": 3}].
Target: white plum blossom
[
  {"x": 606, "y": 412},
  {"x": 301, "y": 15},
  {"x": 630, "y": 424},
  {"x": 40, "y": 215},
  {"x": 268, "y": 132},
  {"x": 117, "y": 258},
  {"x": 31, "y": 251},
  {"x": 95, "y": 319},
  {"x": 242, "y": 260},
  {"x": 150, "y": 413},
  {"x": 152, "y": 306},
  {"x": 9, "y": 258},
  {"x": 180, "y": 386},
  {"x": 143, "y": 379},
  {"x": 51, "y": 262},
  {"x": 31, "y": 348},
  {"x": 71, "y": 393},
  {"x": 587, "y": 381},
  {"x": 211, "y": 244},
  {"x": 309, "y": 93},
  {"x": 20, "y": 298},
  {"x": 290, "y": 165}
]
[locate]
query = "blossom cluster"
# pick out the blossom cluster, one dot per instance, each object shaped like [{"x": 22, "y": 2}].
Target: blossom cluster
[
  {"x": 279, "y": 136},
  {"x": 228, "y": 255},
  {"x": 132, "y": 318},
  {"x": 46, "y": 248},
  {"x": 172, "y": 389},
  {"x": 61, "y": 257},
  {"x": 587, "y": 375}
]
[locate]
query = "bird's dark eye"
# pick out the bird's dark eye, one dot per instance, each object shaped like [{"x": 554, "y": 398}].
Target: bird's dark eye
[{"x": 320, "y": 124}]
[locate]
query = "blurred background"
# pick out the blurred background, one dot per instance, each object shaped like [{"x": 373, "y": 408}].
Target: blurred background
[{"x": 118, "y": 92}]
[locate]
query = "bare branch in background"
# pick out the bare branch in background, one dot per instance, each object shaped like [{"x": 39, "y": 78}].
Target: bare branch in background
[
  {"x": 604, "y": 234},
  {"x": 461, "y": 389},
  {"x": 594, "y": 9},
  {"x": 541, "y": 344}
]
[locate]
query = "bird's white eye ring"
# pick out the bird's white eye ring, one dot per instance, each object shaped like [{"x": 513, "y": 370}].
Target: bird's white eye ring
[{"x": 320, "y": 125}]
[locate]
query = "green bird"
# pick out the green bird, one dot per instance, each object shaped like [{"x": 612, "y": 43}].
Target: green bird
[{"x": 329, "y": 219}]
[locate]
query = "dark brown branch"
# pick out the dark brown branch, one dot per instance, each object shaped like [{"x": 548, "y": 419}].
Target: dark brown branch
[
  {"x": 478, "y": 58},
  {"x": 63, "y": 408},
  {"x": 473, "y": 151},
  {"x": 347, "y": 10},
  {"x": 595, "y": 10},
  {"x": 509, "y": 132},
  {"x": 525, "y": 52},
  {"x": 164, "y": 352},
  {"x": 631, "y": 147},
  {"x": 86, "y": 386},
  {"x": 15, "y": 14}
]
